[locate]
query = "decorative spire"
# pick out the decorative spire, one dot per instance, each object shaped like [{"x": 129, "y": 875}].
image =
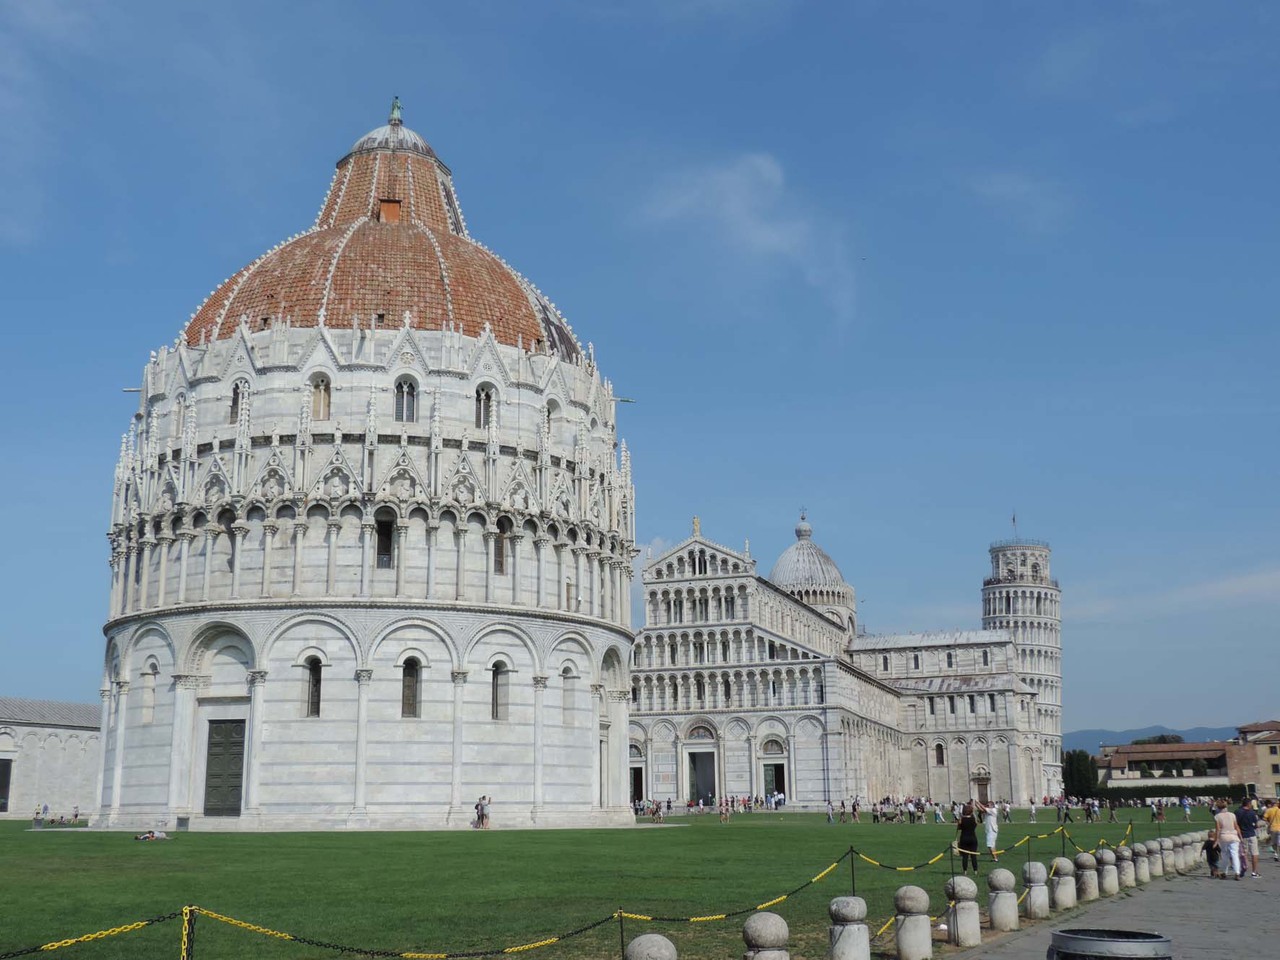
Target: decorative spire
[{"x": 395, "y": 119}]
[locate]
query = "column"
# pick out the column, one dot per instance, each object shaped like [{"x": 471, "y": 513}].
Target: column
[
  {"x": 517, "y": 589},
  {"x": 238, "y": 531},
  {"x": 539, "y": 549},
  {"x": 560, "y": 580},
  {"x": 576, "y": 594},
  {"x": 682, "y": 762},
  {"x": 617, "y": 756},
  {"x": 459, "y": 678},
  {"x": 597, "y": 773},
  {"x": 113, "y": 606},
  {"x": 402, "y": 559},
  {"x": 791, "y": 768},
  {"x": 366, "y": 557},
  {"x": 144, "y": 591},
  {"x": 105, "y": 717},
  {"x": 122, "y": 714},
  {"x": 184, "y": 701},
  {"x": 210, "y": 538},
  {"x": 253, "y": 747},
  {"x": 625, "y": 569},
  {"x": 460, "y": 593},
  {"x": 269, "y": 529},
  {"x": 186, "y": 536},
  {"x": 363, "y": 677},
  {"x": 299, "y": 538},
  {"x": 161, "y": 588},
  {"x": 539, "y": 695},
  {"x": 751, "y": 765},
  {"x": 593, "y": 583},
  {"x": 491, "y": 542},
  {"x": 433, "y": 536},
  {"x": 331, "y": 569}
]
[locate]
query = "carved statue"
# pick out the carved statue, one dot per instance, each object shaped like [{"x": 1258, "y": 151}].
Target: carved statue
[
  {"x": 337, "y": 486},
  {"x": 271, "y": 487},
  {"x": 403, "y": 487}
]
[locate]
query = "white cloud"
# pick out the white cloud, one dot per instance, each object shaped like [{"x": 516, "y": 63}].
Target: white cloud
[
  {"x": 1254, "y": 587},
  {"x": 1036, "y": 204},
  {"x": 746, "y": 206}
]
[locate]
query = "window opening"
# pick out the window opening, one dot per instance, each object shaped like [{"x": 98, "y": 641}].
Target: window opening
[
  {"x": 500, "y": 692},
  {"x": 320, "y": 398},
  {"x": 939, "y": 756},
  {"x": 313, "y": 686},
  {"x": 385, "y": 534},
  {"x": 410, "y": 681},
  {"x": 484, "y": 406},
  {"x": 406, "y": 401}
]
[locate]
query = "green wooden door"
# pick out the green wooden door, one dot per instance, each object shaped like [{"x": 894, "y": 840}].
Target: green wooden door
[{"x": 224, "y": 768}]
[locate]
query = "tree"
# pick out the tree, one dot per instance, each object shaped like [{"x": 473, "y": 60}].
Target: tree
[
  {"x": 1144, "y": 771},
  {"x": 1160, "y": 738},
  {"x": 1079, "y": 774},
  {"x": 1199, "y": 768}
]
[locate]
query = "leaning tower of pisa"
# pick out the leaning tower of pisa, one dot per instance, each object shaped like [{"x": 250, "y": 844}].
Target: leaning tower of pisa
[{"x": 1022, "y": 597}]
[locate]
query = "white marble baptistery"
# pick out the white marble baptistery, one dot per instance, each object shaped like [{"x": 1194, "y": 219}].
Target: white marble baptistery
[{"x": 371, "y": 539}]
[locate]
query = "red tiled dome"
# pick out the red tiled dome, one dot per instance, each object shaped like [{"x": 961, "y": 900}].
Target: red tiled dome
[{"x": 390, "y": 240}]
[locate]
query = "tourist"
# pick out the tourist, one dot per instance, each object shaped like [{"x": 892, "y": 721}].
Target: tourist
[
  {"x": 831, "y": 812},
  {"x": 967, "y": 828},
  {"x": 1228, "y": 840},
  {"x": 1006, "y": 811},
  {"x": 993, "y": 828},
  {"x": 1272, "y": 818},
  {"x": 484, "y": 812},
  {"x": 1033, "y": 810},
  {"x": 1247, "y": 820}
]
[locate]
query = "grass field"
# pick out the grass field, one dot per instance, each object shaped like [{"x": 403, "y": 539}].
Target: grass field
[{"x": 456, "y": 892}]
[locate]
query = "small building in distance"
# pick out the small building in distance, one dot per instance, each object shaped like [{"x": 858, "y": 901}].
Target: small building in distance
[
  {"x": 49, "y": 754},
  {"x": 1254, "y": 758},
  {"x": 1184, "y": 766}
]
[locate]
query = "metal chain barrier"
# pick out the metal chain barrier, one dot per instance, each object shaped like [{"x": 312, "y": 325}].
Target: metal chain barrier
[{"x": 88, "y": 937}]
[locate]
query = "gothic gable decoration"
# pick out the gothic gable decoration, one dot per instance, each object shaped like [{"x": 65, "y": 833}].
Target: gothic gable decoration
[
  {"x": 521, "y": 492},
  {"x": 464, "y": 486},
  {"x": 274, "y": 479},
  {"x": 403, "y": 481}
]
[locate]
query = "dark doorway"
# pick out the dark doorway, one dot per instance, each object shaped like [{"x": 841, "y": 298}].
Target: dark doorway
[
  {"x": 984, "y": 794},
  {"x": 6, "y": 775},
  {"x": 775, "y": 778},
  {"x": 224, "y": 768},
  {"x": 702, "y": 776},
  {"x": 637, "y": 784}
]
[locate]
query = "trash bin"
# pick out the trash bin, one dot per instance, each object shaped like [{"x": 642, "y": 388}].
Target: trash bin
[{"x": 1108, "y": 945}]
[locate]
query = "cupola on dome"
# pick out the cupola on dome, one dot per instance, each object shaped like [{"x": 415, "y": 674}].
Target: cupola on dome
[
  {"x": 389, "y": 248},
  {"x": 804, "y": 565}
]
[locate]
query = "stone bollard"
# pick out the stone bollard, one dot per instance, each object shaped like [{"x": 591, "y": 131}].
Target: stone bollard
[
  {"x": 765, "y": 935},
  {"x": 913, "y": 934},
  {"x": 1179, "y": 854},
  {"x": 1062, "y": 885},
  {"x": 1166, "y": 855},
  {"x": 1154, "y": 860},
  {"x": 1036, "y": 904},
  {"x": 1141, "y": 864},
  {"x": 850, "y": 938},
  {"x": 1002, "y": 902},
  {"x": 1108, "y": 875},
  {"x": 650, "y": 946},
  {"x": 1125, "y": 874},
  {"x": 1086, "y": 877},
  {"x": 964, "y": 926}
]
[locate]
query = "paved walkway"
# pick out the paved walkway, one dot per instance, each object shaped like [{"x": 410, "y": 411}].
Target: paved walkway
[{"x": 1205, "y": 919}]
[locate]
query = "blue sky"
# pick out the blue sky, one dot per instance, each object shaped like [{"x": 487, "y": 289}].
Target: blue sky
[{"x": 912, "y": 266}]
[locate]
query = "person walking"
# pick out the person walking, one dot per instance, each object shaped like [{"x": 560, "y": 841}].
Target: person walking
[
  {"x": 1228, "y": 839},
  {"x": 1033, "y": 810},
  {"x": 1272, "y": 818},
  {"x": 1247, "y": 821},
  {"x": 967, "y": 828}
]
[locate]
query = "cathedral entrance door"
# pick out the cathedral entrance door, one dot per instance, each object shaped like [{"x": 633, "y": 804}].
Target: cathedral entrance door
[
  {"x": 983, "y": 785},
  {"x": 224, "y": 768},
  {"x": 702, "y": 775},
  {"x": 775, "y": 778},
  {"x": 637, "y": 784}
]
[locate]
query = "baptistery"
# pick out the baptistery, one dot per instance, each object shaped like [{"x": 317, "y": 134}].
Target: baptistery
[{"x": 371, "y": 538}]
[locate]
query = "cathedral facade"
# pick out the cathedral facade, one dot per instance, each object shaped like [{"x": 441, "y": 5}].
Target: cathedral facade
[
  {"x": 371, "y": 538},
  {"x": 746, "y": 685}
]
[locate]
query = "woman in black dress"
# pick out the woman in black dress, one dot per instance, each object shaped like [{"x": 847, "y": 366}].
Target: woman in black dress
[{"x": 967, "y": 826}]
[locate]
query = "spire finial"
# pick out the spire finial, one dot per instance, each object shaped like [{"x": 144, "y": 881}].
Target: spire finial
[{"x": 395, "y": 112}]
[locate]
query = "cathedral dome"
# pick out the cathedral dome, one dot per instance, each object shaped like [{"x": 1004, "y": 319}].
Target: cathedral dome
[
  {"x": 390, "y": 248},
  {"x": 804, "y": 565}
]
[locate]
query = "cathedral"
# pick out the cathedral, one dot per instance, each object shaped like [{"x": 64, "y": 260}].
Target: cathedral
[
  {"x": 743, "y": 685},
  {"x": 371, "y": 547}
]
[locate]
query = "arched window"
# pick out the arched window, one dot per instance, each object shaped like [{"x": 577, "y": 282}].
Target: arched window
[
  {"x": 700, "y": 689},
  {"x": 384, "y": 536},
  {"x": 672, "y": 651},
  {"x": 939, "y": 756},
  {"x": 320, "y": 394},
  {"x": 239, "y": 400},
  {"x": 410, "y": 688},
  {"x": 406, "y": 401},
  {"x": 951, "y": 659},
  {"x": 728, "y": 692},
  {"x": 986, "y": 658},
  {"x": 568, "y": 697},
  {"x": 915, "y": 661},
  {"x": 484, "y": 406},
  {"x": 500, "y": 692},
  {"x": 179, "y": 420},
  {"x": 313, "y": 686},
  {"x": 149, "y": 676},
  {"x": 884, "y": 664}
]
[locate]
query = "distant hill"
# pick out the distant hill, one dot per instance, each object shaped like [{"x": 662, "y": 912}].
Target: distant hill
[{"x": 1089, "y": 739}]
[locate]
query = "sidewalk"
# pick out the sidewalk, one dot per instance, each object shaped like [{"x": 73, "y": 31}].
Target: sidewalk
[{"x": 1204, "y": 918}]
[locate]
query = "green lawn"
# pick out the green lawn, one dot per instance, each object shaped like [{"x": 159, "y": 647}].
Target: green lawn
[{"x": 454, "y": 892}]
